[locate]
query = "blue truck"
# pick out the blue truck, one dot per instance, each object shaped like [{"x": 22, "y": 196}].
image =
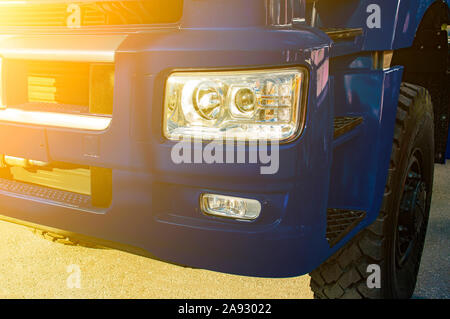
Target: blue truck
[{"x": 95, "y": 96}]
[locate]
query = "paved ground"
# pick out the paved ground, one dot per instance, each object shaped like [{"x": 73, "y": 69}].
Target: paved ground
[
  {"x": 434, "y": 273},
  {"x": 31, "y": 267}
]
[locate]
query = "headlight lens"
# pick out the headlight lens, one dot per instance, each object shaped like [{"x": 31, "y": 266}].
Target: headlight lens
[{"x": 243, "y": 105}]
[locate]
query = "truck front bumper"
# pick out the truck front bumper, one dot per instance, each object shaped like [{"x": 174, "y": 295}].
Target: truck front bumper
[{"x": 155, "y": 203}]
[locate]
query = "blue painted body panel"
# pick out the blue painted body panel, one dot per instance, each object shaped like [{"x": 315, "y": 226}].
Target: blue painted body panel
[
  {"x": 358, "y": 178},
  {"x": 156, "y": 202}
]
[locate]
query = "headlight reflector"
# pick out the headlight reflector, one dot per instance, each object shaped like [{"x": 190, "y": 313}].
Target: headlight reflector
[
  {"x": 208, "y": 100},
  {"x": 243, "y": 105}
]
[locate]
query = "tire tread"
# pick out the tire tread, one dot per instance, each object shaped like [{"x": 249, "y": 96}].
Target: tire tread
[{"x": 344, "y": 274}]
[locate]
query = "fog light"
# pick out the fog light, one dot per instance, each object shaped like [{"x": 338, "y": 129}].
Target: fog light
[{"x": 230, "y": 207}]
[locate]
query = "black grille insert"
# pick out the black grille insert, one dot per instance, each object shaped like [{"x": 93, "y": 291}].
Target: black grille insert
[
  {"x": 344, "y": 125},
  {"x": 340, "y": 222}
]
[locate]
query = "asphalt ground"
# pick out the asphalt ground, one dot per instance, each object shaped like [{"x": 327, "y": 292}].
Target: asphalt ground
[{"x": 31, "y": 267}]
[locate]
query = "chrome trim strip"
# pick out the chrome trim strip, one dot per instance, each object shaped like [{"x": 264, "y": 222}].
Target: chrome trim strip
[
  {"x": 58, "y": 55},
  {"x": 73, "y": 121},
  {"x": 73, "y": 48}
]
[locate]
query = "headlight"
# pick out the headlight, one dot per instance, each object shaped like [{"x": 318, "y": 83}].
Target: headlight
[{"x": 242, "y": 105}]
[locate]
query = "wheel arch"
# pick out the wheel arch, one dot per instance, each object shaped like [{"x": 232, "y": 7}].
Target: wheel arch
[
  {"x": 426, "y": 62},
  {"x": 411, "y": 15}
]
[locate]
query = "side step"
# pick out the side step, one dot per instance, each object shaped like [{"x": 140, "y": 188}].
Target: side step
[
  {"x": 342, "y": 34},
  {"x": 340, "y": 222},
  {"x": 343, "y": 125},
  {"x": 47, "y": 195}
]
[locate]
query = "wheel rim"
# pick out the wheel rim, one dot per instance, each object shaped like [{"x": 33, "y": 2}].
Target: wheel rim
[{"x": 412, "y": 212}]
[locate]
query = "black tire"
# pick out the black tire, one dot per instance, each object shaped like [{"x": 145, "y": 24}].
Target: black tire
[{"x": 406, "y": 202}]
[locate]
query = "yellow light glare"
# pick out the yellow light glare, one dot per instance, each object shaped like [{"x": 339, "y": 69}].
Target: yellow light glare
[
  {"x": 15, "y": 161},
  {"x": 2, "y": 104},
  {"x": 9, "y": 3},
  {"x": 59, "y": 55}
]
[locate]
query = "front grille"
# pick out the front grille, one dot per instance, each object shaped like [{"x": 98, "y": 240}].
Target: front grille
[
  {"x": 346, "y": 34},
  {"x": 343, "y": 125},
  {"x": 60, "y": 87},
  {"x": 86, "y": 187},
  {"x": 58, "y": 82},
  {"x": 46, "y": 194},
  {"x": 89, "y": 13},
  {"x": 340, "y": 222}
]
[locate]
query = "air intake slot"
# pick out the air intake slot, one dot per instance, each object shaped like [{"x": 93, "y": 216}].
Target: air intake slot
[
  {"x": 59, "y": 87},
  {"x": 340, "y": 222},
  {"x": 343, "y": 125},
  {"x": 69, "y": 184},
  {"x": 58, "y": 82},
  {"x": 89, "y": 13}
]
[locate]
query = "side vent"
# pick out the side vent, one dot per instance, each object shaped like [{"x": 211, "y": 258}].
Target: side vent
[
  {"x": 340, "y": 222},
  {"x": 343, "y": 125},
  {"x": 343, "y": 34},
  {"x": 55, "y": 13}
]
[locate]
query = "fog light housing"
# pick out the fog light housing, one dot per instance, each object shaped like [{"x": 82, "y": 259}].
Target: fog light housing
[
  {"x": 230, "y": 207},
  {"x": 246, "y": 105}
]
